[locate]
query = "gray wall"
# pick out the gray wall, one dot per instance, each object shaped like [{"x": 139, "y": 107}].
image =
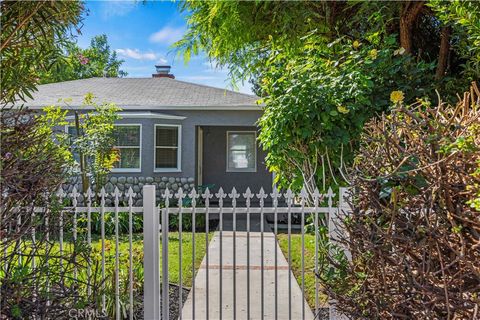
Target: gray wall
[
  {"x": 215, "y": 164},
  {"x": 193, "y": 119},
  {"x": 186, "y": 177}
]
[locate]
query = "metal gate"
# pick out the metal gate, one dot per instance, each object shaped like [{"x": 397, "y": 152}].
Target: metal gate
[
  {"x": 226, "y": 278},
  {"x": 156, "y": 287}
]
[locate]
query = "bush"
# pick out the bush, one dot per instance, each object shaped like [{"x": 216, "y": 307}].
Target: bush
[
  {"x": 414, "y": 232},
  {"x": 34, "y": 278}
]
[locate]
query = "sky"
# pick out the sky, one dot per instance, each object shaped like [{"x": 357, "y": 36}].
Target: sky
[{"x": 142, "y": 34}]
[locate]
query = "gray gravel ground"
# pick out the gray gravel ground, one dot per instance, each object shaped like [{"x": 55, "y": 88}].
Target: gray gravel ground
[
  {"x": 173, "y": 297},
  {"x": 322, "y": 314}
]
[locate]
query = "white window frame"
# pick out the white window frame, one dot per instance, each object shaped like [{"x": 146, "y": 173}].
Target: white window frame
[
  {"x": 125, "y": 170},
  {"x": 179, "y": 148},
  {"x": 228, "y": 149}
]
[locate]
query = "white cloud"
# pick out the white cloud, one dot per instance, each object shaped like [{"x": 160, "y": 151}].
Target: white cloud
[
  {"x": 117, "y": 8},
  {"x": 167, "y": 35},
  {"x": 139, "y": 55}
]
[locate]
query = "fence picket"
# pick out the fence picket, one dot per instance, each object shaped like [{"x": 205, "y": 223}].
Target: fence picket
[
  {"x": 180, "y": 196},
  {"x": 130, "y": 195},
  {"x": 153, "y": 296},
  {"x": 207, "y": 196},
  {"x": 220, "y": 196}
]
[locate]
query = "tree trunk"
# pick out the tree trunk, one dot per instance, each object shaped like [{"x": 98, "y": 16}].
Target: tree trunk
[
  {"x": 443, "y": 53},
  {"x": 410, "y": 12},
  {"x": 83, "y": 173}
]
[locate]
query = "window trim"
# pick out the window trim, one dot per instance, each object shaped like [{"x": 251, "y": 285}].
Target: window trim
[
  {"x": 228, "y": 153},
  {"x": 179, "y": 148},
  {"x": 133, "y": 170}
]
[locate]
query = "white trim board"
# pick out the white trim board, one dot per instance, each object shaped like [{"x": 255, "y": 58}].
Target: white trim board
[
  {"x": 143, "y": 107},
  {"x": 143, "y": 115}
]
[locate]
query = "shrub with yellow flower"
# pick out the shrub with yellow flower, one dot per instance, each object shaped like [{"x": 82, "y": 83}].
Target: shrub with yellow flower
[
  {"x": 396, "y": 96},
  {"x": 343, "y": 109}
]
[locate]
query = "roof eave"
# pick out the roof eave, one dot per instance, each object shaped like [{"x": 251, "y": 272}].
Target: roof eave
[{"x": 140, "y": 107}]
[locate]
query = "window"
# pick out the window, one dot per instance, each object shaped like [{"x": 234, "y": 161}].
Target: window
[
  {"x": 128, "y": 143},
  {"x": 72, "y": 133},
  {"x": 167, "y": 147},
  {"x": 241, "y": 151}
]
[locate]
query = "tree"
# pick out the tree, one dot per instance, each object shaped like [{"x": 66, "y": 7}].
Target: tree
[
  {"x": 93, "y": 142},
  {"x": 98, "y": 60},
  {"x": 289, "y": 49},
  {"x": 33, "y": 37}
]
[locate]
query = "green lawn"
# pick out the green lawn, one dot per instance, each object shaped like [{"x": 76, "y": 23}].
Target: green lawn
[
  {"x": 187, "y": 255},
  {"x": 173, "y": 254},
  {"x": 187, "y": 258},
  {"x": 95, "y": 256},
  {"x": 296, "y": 263}
]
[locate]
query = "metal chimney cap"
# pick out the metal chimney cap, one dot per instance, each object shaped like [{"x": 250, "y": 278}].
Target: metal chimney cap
[{"x": 163, "y": 69}]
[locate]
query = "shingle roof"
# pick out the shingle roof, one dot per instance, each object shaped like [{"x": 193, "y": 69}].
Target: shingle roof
[{"x": 142, "y": 93}]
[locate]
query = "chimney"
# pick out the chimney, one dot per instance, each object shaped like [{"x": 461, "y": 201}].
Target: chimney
[{"x": 163, "y": 71}]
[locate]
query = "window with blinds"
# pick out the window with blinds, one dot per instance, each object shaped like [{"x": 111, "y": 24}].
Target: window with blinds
[{"x": 167, "y": 148}]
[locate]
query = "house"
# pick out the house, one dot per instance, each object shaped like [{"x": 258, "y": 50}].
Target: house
[{"x": 174, "y": 133}]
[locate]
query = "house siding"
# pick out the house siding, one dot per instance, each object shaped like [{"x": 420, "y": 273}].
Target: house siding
[
  {"x": 188, "y": 143},
  {"x": 185, "y": 178}
]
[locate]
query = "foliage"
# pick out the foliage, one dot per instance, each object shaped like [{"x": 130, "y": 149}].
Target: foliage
[
  {"x": 109, "y": 220},
  {"x": 93, "y": 142},
  {"x": 173, "y": 222},
  {"x": 239, "y": 34},
  {"x": 464, "y": 16},
  {"x": 317, "y": 94},
  {"x": 98, "y": 60},
  {"x": 35, "y": 279},
  {"x": 33, "y": 36},
  {"x": 413, "y": 234},
  {"x": 32, "y": 163},
  {"x": 318, "y": 102}
]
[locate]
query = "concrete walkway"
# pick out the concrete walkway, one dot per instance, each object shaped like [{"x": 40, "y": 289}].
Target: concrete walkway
[{"x": 227, "y": 305}]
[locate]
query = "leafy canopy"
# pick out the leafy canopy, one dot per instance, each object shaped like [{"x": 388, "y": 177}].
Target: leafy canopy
[
  {"x": 97, "y": 60},
  {"x": 324, "y": 68},
  {"x": 34, "y": 34}
]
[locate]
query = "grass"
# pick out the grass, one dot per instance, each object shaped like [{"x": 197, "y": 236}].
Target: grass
[
  {"x": 187, "y": 256},
  {"x": 296, "y": 263},
  {"x": 137, "y": 253},
  {"x": 187, "y": 259},
  {"x": 173, "y": 254}
]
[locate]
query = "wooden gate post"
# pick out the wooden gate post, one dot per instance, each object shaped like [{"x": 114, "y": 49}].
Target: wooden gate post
[{"x": 151, "y": 263}]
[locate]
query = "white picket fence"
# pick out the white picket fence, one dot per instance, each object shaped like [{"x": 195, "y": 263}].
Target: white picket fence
[{"x": 156, "y": 286}]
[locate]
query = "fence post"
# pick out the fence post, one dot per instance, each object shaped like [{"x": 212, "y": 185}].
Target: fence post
[
  {"x": 151, "y": 263},
  {"x": 165, "y": 282},
  {"x": 334, "y": 231}
]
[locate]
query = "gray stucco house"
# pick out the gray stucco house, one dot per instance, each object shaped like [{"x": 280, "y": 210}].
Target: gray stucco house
[{"x": 173, "y": 133}]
